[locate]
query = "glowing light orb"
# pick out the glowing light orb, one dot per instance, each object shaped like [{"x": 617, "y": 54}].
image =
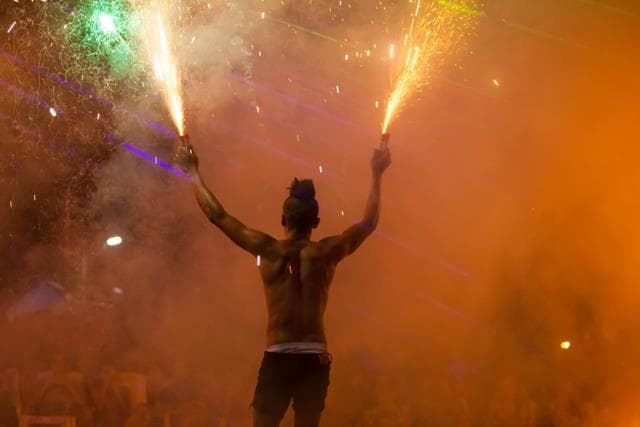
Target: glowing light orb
[
  {"x": 101, "y": 37},
  {"x": 114, "y": 241},
  {"x": 565, "y": 345},
  {"x": 106, "y": 23}
]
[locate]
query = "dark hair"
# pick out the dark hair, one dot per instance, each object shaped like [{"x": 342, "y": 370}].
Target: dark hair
[{"x": 300, "y": 209}]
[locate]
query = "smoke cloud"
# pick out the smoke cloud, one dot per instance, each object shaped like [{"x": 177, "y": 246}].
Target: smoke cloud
[{"x": 509, "y": 219}]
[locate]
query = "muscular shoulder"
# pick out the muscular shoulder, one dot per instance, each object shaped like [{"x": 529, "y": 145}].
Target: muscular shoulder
[
  {"x": 291, "y": 255},
  {"x": 302, "y": 249},
  {"x": 310, "y": 251}
]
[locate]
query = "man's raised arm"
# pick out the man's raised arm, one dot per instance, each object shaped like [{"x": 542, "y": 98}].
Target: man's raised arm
[
  {"x": 346, "y": 243},
  {"x": 253, "y": 241}
]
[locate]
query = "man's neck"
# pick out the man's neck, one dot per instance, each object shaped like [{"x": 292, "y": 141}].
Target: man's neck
[{"x": 297, "y": 235}]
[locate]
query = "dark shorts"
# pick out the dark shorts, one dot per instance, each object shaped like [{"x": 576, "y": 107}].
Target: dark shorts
[{"x": 283, "y": 377}]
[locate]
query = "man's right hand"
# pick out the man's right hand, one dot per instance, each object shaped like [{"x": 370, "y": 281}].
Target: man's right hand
[
  {"x": 381, "y": 160},
  {"x": 186, "y": 157}
]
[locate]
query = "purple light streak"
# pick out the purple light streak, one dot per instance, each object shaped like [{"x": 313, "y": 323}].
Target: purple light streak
[
  {"x": 169, "y": 133},
  {"x": 147, "y": 156}
]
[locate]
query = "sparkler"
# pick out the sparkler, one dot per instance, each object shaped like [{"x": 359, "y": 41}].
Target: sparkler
[
  {"x": 435, "y": 30},
  {"x": 166, "y": 71}
]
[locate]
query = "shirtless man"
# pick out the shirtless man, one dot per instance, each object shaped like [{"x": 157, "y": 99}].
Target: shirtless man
[{"x": 296, "y": 273}]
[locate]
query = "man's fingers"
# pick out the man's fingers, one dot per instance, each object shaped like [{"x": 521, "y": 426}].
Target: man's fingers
[{"x": 185, "y": 148}]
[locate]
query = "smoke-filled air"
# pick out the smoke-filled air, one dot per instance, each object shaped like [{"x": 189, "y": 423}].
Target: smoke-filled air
[{"x": 466, "y": 254}]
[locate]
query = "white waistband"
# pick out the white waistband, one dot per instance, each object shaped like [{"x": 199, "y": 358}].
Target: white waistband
[{"x": 299, "y": 348}]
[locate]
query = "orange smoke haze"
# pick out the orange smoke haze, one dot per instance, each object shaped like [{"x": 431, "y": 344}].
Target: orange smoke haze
[{"x": 509, "y": 222}]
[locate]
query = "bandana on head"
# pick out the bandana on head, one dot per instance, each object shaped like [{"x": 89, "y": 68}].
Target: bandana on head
[{"x": 302, "y": 190}]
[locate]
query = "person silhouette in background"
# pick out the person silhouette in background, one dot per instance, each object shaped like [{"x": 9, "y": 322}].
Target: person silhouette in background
[{"x": 296, "y": 273}]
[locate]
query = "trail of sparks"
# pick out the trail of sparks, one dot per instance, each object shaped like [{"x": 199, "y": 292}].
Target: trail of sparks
[
  {"x": 166, "y": 71},
  {"x": 607, "y": 7},
  {"x": 303, "y": 29},
  {"x": 435, "y": 31},
  {"x": 462, "y": 8}
]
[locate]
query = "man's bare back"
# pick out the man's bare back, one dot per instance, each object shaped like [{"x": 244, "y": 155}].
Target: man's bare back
[
  {"x": 296, "y": 287},
  {"x": 296, "y": 273}
]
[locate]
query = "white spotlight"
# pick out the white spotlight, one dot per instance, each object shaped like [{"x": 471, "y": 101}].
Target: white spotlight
[{"x": 114, "y": 241}]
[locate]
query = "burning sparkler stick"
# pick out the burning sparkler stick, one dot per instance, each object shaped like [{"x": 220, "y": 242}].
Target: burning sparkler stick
[
  {"x": 166, "y": 71},
  {"x": 435, "y": 30},
  {"x": 384, "y": 141},
  {"x": 411, "y": 68}
]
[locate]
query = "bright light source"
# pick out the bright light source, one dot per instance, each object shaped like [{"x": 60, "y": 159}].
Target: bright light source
[
  {"x": 52, "y": 111},
  {"x": 114, "y": 241},
  {"x": 106, "y": 22},
  {"x": 118, "y": 291},
  {"x": 565, "y": 345}
]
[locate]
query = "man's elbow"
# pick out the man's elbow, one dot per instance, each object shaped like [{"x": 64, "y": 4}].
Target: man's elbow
[
  {"x": 368, "y": 226},
  {"x": 216, "y": 217}
]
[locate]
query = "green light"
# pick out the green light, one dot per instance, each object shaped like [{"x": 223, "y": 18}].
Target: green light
[
  {"x": 461, "y": 8},
  {"x": 107, "y": 25},
  {"x": 99, "y": 24},
  {"x": 103, "y": 36}
]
